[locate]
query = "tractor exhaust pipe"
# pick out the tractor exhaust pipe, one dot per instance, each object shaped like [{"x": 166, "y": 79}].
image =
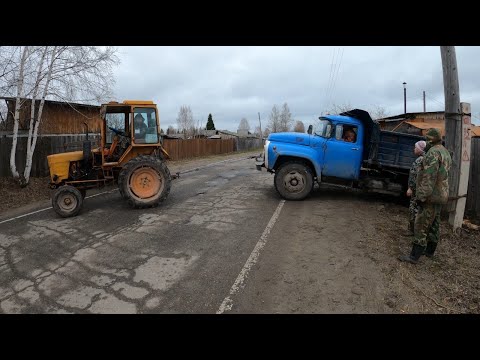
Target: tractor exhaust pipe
[{"x": 87, "y": 148}]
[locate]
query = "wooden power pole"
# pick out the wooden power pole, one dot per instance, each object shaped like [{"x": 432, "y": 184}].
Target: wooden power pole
[
  {"x": 455, "y": 140},
  {"x": 261, "y": 134}
]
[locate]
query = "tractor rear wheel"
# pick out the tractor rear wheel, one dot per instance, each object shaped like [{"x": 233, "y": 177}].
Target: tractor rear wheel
[
  {"x": 67, "y": 201},
  {"x": 144, "y": 181}
]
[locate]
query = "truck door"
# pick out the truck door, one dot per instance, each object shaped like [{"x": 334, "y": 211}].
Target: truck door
[{"x": 343, "y": 153}]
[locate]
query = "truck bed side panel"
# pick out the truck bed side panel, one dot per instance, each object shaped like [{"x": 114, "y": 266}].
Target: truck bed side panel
[{"x": 396, "y": 149}]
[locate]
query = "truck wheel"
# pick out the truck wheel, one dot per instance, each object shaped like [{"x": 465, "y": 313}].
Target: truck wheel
[
  {"x": 294, "y": 181},
  {"x": 144, "y": 181},
  {"x": 67, "y": 201}
]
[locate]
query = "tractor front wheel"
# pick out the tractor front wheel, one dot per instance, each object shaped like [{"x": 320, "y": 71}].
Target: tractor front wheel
[
  {"x": 67, "y": 201},
  {"x": 144, "y": 181}
]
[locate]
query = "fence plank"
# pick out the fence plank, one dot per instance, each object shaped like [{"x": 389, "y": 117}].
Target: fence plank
[
  {"x": 52, "y": 144},
  {"x": 185, "y": 149},
  {"x": 473, "y": 195}
]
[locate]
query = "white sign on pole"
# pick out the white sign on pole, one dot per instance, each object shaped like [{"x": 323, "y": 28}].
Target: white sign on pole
[{"x": 464, "y": 166}]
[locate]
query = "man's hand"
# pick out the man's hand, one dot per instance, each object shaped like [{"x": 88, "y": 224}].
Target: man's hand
[{"x": 409, "y": 192}]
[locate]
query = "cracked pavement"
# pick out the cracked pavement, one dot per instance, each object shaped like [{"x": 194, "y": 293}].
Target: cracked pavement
[{"x": 177, "y": 258}]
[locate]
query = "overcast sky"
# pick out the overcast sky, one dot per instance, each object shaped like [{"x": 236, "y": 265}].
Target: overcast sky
[{"x": 235, "y": 82}]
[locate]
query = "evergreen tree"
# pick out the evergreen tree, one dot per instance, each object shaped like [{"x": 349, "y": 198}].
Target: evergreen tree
[{"x": 210, "y": 124}]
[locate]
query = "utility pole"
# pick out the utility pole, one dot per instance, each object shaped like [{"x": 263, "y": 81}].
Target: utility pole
[
  {"x": 261, "y": 134},
  {"x": 456, "y": 122},
  {"x": 404, "y": 98},
  {"x": 424, "y": 107}
]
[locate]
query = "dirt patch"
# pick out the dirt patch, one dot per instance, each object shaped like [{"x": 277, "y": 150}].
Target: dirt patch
[
  {"x": 12, "y": 196},
  {"x": 446, "y": 283}
]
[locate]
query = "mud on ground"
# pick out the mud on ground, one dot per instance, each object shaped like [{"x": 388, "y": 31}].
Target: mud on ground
[{"x": 448, "y": 283}]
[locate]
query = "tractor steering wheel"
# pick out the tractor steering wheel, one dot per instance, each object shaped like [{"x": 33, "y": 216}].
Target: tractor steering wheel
[{"x": 117, "y": 132}]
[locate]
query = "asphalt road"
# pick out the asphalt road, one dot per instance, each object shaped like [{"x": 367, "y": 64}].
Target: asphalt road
[
  {"x": 223, "y": 242},
  {"x": 182, "y": 257}
]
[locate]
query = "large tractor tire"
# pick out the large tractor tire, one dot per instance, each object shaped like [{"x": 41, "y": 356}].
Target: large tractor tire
[
  {"x": 67, "y": 201},
  {"x": 294, "y": 181},
  {"x": 144, "y": 181}
]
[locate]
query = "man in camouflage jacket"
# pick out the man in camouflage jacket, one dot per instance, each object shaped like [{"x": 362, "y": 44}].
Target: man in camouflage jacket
[
  {"x": 419, "y": 151},
  {"x": 432, "y": 193}
]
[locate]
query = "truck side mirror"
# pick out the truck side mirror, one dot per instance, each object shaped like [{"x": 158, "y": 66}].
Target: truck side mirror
[{"x": 310, "y": 129}]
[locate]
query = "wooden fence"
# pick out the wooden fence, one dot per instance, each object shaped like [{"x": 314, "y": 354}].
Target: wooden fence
[
  {"x": 472, "y": 207},
  {"x": 53, "y": 144},
  {"x": 46, "y": 145},
  {"x": 184, "y": 149}
]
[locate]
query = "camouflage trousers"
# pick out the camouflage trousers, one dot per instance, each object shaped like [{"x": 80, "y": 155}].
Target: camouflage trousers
[
  {"x": 412, "y": 209},
  {"x": 427, "y": 224}
]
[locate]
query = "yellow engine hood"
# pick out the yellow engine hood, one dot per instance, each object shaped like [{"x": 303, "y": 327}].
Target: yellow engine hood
[{"x": 60, "y": 163}]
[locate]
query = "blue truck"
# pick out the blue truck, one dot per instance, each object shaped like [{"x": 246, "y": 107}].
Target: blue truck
[{"x": 372, "y": 159}]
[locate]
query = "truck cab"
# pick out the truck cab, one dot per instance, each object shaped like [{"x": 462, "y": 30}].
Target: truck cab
[{"x": 347, "y": 149}]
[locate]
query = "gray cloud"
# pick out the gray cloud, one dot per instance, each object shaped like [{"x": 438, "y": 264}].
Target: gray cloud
[{"x": 235, "y": 82}]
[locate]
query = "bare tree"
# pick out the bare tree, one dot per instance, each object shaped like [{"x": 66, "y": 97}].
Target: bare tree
[
  {"x": 337, "y": 109},
  {"x": 244, "y": 125},
  {"x": 257, "y": 131},
  {"x": 185, "y": 119},
  {"x": 266, "y": 132},
  {"x": 274, "y": 120},
  {"x": 25, "y": 53},
  {"x": 170, "y": 130},
  {"x": 299, "y": 127},
  {"x": 378, "y": 112},
  {"x": 3, "y": 115},
  {"x": 285, "y": 118},
  {"x": 67, "y": 73}
]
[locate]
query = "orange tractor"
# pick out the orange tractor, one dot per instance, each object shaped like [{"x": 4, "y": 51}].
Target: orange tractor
[{"x": 130, "y": 155}]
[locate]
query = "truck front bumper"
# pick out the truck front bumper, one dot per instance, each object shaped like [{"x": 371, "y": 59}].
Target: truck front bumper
[{"x": 259, "y": 162}]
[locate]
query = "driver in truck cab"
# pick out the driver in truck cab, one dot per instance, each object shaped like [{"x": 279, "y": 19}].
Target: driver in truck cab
[{"x": 349, "y": 136}]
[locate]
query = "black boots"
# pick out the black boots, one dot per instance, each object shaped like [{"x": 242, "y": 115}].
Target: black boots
[
  {"x": 415, "y": 254},
  {"x": 431, "y": 247}
]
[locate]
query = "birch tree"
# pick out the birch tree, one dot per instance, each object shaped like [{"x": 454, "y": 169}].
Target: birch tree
[
  {"x": 16, "y": 118},
  {"x": 65, "y": 73},
  {"x": 274, "y": 120},
  {"x": 185, "y": 119},
  {"x": 285, "y": 118}
]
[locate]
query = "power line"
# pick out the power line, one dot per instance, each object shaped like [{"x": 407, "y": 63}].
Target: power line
[
  {"x": 336, "y": 75},
  {"x": 333, "y": 65}
]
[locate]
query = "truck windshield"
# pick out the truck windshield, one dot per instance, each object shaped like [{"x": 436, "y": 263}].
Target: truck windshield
[{"x": 322, "y": 127}]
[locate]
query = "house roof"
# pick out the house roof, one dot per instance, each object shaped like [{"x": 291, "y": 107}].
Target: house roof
[
  {"x": 9, "y": 98},
  {"x": 475, "y": 130},
  {"x": 427, "y": 124},
  {"x": 408, "y": 115},
  {"x": 424, "y": 125}
]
